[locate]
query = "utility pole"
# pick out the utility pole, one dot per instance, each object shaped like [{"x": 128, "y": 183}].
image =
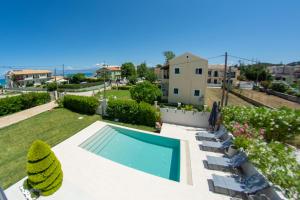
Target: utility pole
[
  {"x": 224, "y": 80},
  {"x": 104, "y": 68},
  {"x": 228, "y": 85}
]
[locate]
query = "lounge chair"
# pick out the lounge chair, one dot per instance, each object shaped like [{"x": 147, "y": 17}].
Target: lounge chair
[
  {"x": 216, "y": 146},
  {"x": 217, "y": 135},
  {"x": 235, "y": 187},
  {"x": 226, "y": 164},
  {"x": 222, "y": 127}
]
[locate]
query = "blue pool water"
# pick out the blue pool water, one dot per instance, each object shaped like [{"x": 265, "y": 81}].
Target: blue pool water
[{"x": 153, "y": 154}]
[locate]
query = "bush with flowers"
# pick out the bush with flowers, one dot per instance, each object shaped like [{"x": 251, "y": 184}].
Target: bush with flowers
[
  {"x": 279, "y": 124},
  {"x": 259, "y": 132}
]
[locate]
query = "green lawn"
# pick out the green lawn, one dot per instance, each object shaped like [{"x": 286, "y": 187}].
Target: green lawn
[
  {"x": 120, "y": 94},
  {"x": 52, "y": 127}
]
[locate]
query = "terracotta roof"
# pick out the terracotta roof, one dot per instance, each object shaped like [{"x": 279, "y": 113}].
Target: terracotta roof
[
  {"x": 114, "y": 68},
  {"x": 110, "y": 68},
  {"x": 29, "y": 71}
]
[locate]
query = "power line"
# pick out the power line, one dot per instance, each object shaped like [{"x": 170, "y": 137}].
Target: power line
[
  {"x": 250, "y": 60},
  {"x": 215, "y": 57}
]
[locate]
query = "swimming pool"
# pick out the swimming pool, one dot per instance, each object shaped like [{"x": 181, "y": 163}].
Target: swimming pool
[{"x": 152, "y": 154}]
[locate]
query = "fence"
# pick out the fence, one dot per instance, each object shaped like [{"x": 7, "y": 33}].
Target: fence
[{"x": 186, "y": 118}]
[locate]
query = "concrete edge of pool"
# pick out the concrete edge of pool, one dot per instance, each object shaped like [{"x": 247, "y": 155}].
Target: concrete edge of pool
[{"x": 89, "y": 176}]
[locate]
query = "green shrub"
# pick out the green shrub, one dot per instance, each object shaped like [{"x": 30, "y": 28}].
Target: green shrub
[
  {"x": 51, "y": 87},
  {"x": 93, "y": 80},
  {"x": 79, "y": 86},
  {"x": 276, "y": 161},
  {"x": 130, "y": 111},
  {"x": 290, "y": 91},
  {"x": 146, "y": 92},
  {"x": 132, "y": 79},
  {"x": 187, "y": 107},
  {"x": 147, "y": 114},
  {"x": 279, "y": 124},
  {"x": 122, "y": 87},
  {"x": 279, "y": 87},
  {"x": 14, "y": 104},
  {"x": 77, "y": 78},
  {"x": 43, "y": 169},
  {"x": 265, "y": 84},
  {"x": 81, "y": 104}
]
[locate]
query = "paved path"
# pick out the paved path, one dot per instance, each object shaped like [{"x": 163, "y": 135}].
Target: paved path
[{"x": 25, "y": 114}]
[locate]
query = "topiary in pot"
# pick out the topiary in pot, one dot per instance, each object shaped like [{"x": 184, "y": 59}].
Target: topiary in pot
[{"x": 43, "y": 169}]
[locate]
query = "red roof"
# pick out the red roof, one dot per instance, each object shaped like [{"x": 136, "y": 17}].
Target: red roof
[{"x": 114, "y": 68}]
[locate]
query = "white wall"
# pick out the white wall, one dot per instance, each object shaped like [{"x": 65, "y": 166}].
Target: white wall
[{"x": 187, "y": 118}]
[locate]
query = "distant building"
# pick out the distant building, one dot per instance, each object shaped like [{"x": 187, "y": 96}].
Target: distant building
[
  {"x": 183, "y": 79},
  {"x": 157, "y": 71},
  {"x": 290, "y": 74},
  {"x": 57, "y": 79},
  {"x": 111, "y": 72},
  {"x": 26, "y": 77},
  {"x": 216, "y": 75}
]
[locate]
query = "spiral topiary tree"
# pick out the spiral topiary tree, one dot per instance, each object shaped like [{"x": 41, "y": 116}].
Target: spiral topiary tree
[{"x": 43, "y": 169}]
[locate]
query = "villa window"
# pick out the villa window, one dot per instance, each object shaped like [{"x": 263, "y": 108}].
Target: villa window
[
  {"x": 209, "y": 73},
  {"x": 209, "y": 80},
  {"x": 216, "y": 74},
  {"x": 175, "y": 91},
  {"x": 198, "y": 70},
  {"x": 177, "y": 71},
  {"x": 215, "y": 81},
  {"x": 196, "y": 93}
]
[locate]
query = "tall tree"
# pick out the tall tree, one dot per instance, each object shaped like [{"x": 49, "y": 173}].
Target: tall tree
[
  {"x": 150, "y": 75},
  {"x": 128, "y": 69},
  {"x": 255, "y": 72},
  {"x": 142, "y": 69},
  {"x": 168, "y": 56},
  {"x": 77, "y": 78}
]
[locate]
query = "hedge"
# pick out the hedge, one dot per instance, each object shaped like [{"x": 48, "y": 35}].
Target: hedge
[
  {"x": 43, "y": 169},
  {"x": 81, "y": 104},
  {"x": 122, "y": 87},
  {"x": 14, "y": 104},
  {"x": 79, "y": 86},
  {"x": 129, "y": 111}
]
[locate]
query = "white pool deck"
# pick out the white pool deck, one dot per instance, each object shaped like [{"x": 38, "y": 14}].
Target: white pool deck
[{"x": 92, "y": 177}]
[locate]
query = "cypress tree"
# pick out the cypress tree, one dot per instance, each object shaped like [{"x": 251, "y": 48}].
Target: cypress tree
[{"x": 43, "y": 169}]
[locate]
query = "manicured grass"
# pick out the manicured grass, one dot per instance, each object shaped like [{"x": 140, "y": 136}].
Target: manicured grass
[
  {"x": 120, "y": 94},
  {"x": 52, "y": 127}
]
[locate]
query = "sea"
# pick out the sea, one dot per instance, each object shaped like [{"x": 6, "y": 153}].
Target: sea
[{"x": 2, "y": 81}]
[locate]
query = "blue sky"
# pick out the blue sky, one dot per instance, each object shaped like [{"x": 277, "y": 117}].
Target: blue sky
[{"x": 81, "y": 33}]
